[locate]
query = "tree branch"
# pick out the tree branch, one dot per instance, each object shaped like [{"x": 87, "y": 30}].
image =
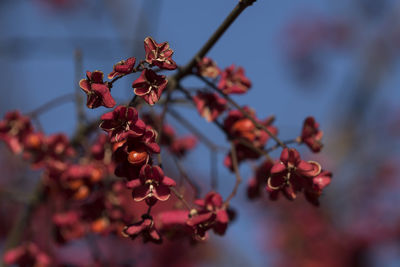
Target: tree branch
[{"x": 187, "y": 69}]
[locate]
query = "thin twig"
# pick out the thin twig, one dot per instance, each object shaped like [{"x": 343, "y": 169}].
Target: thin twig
[
  {"x": 221, "y": 127},
  {"x": 238, "y": 177},
  {"x": 51, "y": 104},
  {"x": 23, "y": 220},
  {"x": 193, "y": 185},
  {"x": 187, "y": 69},
  {"x": 194, "y": 130},
  {"x": 276, "y": 146},
  {"x": 83, "y": 132},
  {"x": 180, "y": 197},
  {"x": 78, "y": 93},
  {"x": 247, "y": 115},
  {"x": 139, "y": 67},
  {"x": 161, "y": 122}
]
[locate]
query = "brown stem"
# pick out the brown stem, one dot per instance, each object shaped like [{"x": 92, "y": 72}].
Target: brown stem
[
  {"x": 180, "y": 197},
  {"x": 183, "y": 173}
]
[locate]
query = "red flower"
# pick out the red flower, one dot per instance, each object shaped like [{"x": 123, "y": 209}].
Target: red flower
[
  {"x": 208, "y": 68},
  {"x": 35, "y": 148},
  {"x": 233, "y": 81},
  {"x": 209, "y": 105},
  {"x": 211, "y": 215},
  {"x": 168, "y": 135},
  {"x": 27, "y": 255},
  {"x": 240, "y": 127},
  {"x": 150, "y": 86},
  {"x": 121, "y": 123},
  {"x": 14, "y": 129},
  {"x": 159, "y": 54},
  {"x": 291, "y": 174},
  {"x": 322, "y": 180},
  {"x": 311, "y": 135},
  {"x": 132, "y": 153},
  {"x": 256, "y": 183},
  {"x": 98, "y": 148},
  {"x": 180, "y": 146},
  {"x": 237, "y": 125},
  {"x": 314, "y": 190},
  {"x": 59, "y": 147},
  {"x": 173, "y": 223},
  {"x": 145, "y": 228},
  {"x": 98, "y": 93},
  {"x": 123, "y": 67},
  {"x": 68, "y": 226},
  {"x": 152, "y": 185}
]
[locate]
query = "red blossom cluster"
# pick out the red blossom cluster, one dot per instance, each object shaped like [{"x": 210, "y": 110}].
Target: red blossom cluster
[
  {"x": 149, "y": 85},
  {"x": 92, "y": 186},
  {"x": 27, "y": 255}
]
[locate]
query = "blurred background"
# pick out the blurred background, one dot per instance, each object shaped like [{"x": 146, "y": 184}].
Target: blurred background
[{"x": 334, "y": 60}]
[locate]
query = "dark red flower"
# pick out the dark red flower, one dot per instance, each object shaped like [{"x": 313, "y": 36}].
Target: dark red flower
[
  {"x": 98, "y": 149},
  {"x": 208, "y": 68},
  {"x": 233, "y": 81},
  {"x": 35, "y": 147},
  {"x": 291, "y": 174},
  {"x": 322, "y": 180},
  {"x": 182, "y": 145},
  {"x": 237, "y": 125},
  {"x": 145, "y": 227},
  {"x": 256, "y": 183},
  {"x": 159, "y": 54},
  {"x": 27, "y": 255},
  {"x": 212, "y": 214},
  {"x": 311, "y": 135},
  {"x": 121, "y": 123},
  {"x": 123, "y": 67},
  {"x": 152, "y": 185},
  {"x": 14, "y": 129},
  {"x": 68, "y": 226},
  {"x": 78, "y": 180},
  {"x": 209, "y": 105},
  {"x": 173, "y": 223},
  {"x": 240, "y": 127},
  {"x": 98, "y": 92},
  {"x": 168, "y": 135},
  {"x": 149, "y": 140},
  {"x": 58, "y": 147},
  {"x": 132, "y": 153},
  {"x": 315, "y": 187},
  {"x": 150, "y": 86}
]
